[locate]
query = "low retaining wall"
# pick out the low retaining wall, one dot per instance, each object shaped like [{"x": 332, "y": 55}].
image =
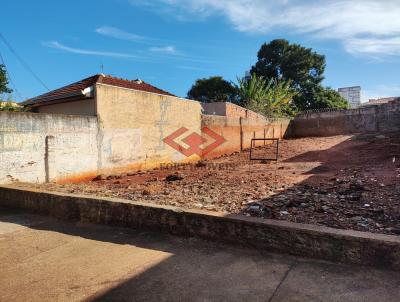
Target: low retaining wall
[
  {"x": 278, "y": 236},
  {"x": 377, "y": 118}
]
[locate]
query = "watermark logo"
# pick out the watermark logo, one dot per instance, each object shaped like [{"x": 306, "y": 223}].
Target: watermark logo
[
  {"x": 197, "y": 144},
  {"x": 198, "y": 166}
]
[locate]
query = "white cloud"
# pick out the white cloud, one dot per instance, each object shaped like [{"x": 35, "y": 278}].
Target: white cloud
[
  {"x": 170, "y": 50},
  {"x": 390, "y": 46},
  {"x": 57, "y": 45},
  {"x": 354, "y": 23},
  {"x": 120, "y": 34},
  {"x": 117, "y": 33}
]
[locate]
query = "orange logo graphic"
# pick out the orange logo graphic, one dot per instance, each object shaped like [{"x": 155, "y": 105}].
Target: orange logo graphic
[{"x": 194, "y": 141}]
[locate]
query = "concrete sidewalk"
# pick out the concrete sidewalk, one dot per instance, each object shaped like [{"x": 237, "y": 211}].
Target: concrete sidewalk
[{"x": 42, "y": 259}]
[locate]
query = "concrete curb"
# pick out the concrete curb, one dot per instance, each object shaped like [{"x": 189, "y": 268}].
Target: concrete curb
[{"x": 277, "y": 236}]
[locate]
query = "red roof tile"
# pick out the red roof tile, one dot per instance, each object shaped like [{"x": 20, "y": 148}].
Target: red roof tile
[{"x": 76, "y": 89}]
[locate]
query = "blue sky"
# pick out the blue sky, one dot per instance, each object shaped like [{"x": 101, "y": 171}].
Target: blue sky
[{"x": 171, "y": 43}]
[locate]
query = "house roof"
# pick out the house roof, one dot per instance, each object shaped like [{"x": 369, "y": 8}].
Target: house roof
[
  {"x": 76, "y": 90},
  {"x": 380, "y": 101}
]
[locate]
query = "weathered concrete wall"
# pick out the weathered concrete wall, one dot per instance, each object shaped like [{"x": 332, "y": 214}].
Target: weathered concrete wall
[
  {"x": 238, "y": 132},
  {"x": 278, "y": 236},
  {"x": 229, "y": 129},
  {"x": 133, "y": 125},
  {"x": 128, "y": 134},
  {"x": 83, "y": 107},
  {"x": 230, "y": 110},
  {"x": 38, "y": 147},
  {"x": 378, "y": 118}
]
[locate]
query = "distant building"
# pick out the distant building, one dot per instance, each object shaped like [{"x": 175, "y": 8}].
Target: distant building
[
  {"x": 352, "y": 95},
  {"x": 381, "y": 101}
]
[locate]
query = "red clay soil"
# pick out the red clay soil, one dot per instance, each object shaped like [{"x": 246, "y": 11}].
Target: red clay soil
[{"x": 347, "y": 182}]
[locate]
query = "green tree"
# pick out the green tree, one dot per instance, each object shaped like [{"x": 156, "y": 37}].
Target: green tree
[
  {"x": 304, "y": 67},
  {"x": 268, "y": 97},
  {"x": 330, "y": 98},
  {"x": 252, "y": 91},
  {"x": 213, "y": 89},
  {"x": 3, "y": 80}
]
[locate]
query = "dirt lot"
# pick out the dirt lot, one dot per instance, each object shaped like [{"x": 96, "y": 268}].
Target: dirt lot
[{"x": 348, "y": 182}]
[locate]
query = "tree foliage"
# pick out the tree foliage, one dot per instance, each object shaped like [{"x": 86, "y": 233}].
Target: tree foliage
[
  {"x": 10, "y": 106},
  {"x": 286, "y": 78},
  {"x": 252, "y": 90},
  {"x": 3, "y": 80},
  {"x": 268, "y": 97},
  {"x": 213, "y": 89},
  {"x": 330, "y": 98},
  {"x": 6, "y": 105},
  {"x": 302, "y": 66}
]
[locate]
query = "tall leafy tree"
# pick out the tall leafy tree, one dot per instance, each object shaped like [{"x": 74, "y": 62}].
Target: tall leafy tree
[
  {"x": 304, "y": 67},
  {"x": 213, "y": 89},
  {"x": 3, "y": 80}
]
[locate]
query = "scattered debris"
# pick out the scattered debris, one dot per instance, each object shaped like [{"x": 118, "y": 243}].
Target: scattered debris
[
  {"x": 146, "y": 192},
  {"x": 174, "y": 177},
  {"x": 340, "y": 182},
  {"x": 200, "y": 164},
  {"x": 100, "y": 177}
]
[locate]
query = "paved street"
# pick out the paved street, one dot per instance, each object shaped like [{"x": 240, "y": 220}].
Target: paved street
[{"x": 42, "y": 259}]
